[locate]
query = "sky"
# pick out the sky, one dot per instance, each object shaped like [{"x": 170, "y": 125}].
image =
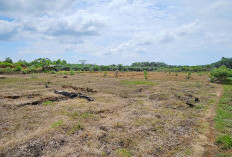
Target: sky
[{"x": 177, "y": 32}]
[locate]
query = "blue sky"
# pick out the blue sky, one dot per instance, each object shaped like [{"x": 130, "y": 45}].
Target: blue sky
[{"x": 106, "y": 32}]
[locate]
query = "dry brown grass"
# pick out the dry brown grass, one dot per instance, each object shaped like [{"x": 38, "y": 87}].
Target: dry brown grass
[{"x": 124, "y": 119}]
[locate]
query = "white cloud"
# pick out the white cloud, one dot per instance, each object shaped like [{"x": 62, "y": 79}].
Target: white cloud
[
  {"x": 20, "y": 8},
  {"x": 80, "y": 23},
  {"x": 8, "y": 29}
]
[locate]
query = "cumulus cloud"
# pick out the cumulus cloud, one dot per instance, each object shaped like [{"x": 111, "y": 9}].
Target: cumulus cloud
[
  {"x": 80, "y": 23},
  {"x": 8, "y": 29}
]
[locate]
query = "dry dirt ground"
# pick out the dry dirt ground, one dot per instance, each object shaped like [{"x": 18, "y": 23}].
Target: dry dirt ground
[{"x": 129, "y": 116}]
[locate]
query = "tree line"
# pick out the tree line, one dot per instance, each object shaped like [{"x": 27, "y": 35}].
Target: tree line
[{"x": 46, "y": 65}]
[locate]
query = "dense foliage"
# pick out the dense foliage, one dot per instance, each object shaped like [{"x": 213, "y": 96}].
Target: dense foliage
[
  {"x": 221, "y": 74},
  {"x": 46, "y": 65}
]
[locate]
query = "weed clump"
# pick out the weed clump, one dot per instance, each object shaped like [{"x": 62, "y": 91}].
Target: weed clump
[{"x": 75, "y": 128}]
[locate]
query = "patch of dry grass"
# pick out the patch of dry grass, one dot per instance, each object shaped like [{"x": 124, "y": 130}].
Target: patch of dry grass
[{"x": 139, "y": 119}]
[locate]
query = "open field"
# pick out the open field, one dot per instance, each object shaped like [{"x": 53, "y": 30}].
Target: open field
[{"x": 129, "y": 116}]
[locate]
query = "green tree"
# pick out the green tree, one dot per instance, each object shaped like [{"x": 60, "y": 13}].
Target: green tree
[{"x": 8, "y": 60}]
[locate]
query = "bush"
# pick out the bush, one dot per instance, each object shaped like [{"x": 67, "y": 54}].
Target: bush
[
  {"x": 145, "y": 74},
  {"x": 189, "y": 75},
  {"x": 52, "y": 72},
  {"x": 18, "y": 68},
  {"x": 72, "y": 72},
  {"x": 32, "y": 70},
  {"x": 221, "y": 74}
]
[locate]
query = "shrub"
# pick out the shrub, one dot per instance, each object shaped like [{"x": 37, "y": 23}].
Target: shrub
[
  {"x": 72, "y": 72},
  {"x": 52, "y": 72},
  {"x": 8, "y": 70},
  {"x": 32, "y": 70},
  {"x": 18, "y": 68},
  {"x": 105, "y": 73},
  {"x": 145, "y": 74},
  {"x": 5, "y": 64},
  {"x": 221, "y": 74},
  {"x": 189, "y": 75}
]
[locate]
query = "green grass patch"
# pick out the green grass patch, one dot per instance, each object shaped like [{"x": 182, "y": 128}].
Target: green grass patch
[
  {"x": 223, "y": 155},
  {"x": 223, "y": 119},
  {"x": 47, "y": 103},
  {"x": 225, "y": 141},
  {"x": 123, "y": 152},
  {"x": 199, "y": 107},
  {"x": 138, "y": 82},
  {"x": 57, "y": 124},
  {"x": 86, "y": 115}
]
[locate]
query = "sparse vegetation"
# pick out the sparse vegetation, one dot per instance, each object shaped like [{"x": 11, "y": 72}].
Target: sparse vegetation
[
  {"x": 130, "y": 114},
  {"x": 124, "y": 152},
  {"x": 75, "y": 128},
  {"x": 138, "y": 82},
  {"x": 57, "y": 124}
]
